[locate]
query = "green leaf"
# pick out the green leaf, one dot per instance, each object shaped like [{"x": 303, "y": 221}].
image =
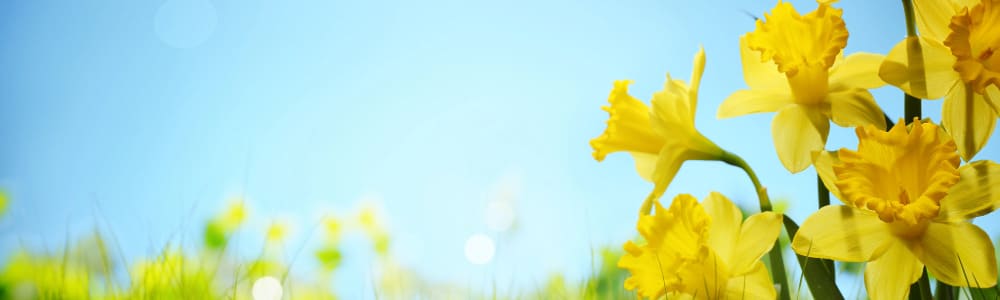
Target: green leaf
[
  {"x": 984, "y": 293},
  {"x": 819, "y": 276}
]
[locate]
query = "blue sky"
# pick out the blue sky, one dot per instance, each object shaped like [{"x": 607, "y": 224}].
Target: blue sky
[{"x": 140, "y": 110}]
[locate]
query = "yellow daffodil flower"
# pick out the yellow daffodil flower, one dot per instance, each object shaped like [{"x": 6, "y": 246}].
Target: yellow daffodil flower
[
  {"x": 234, "y": 215},
  {"x": 794, "y": 66},
  {"x": 958, "y": 56},
  {"x": 277, "y": 231},
  {"x": 3, "y": 203},
  {"x": 907, "y": 205},
  {"x": 701, "y": 251},
  {"x": 662, "y": 138}
]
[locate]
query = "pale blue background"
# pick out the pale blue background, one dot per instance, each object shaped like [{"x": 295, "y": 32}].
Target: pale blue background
[{"x": 140, "y": 110}]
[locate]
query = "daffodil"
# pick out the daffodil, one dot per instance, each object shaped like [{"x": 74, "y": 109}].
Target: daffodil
[
  {"x": 662, "y": 138},
  {"x": 957, "y": 52},
  {"x": 907, "y": 205},
  {"x": 277, "y": 231},
  {"x": 701, "y": 251},
  {"x": 235, "y": 214},
  {"x": 3, "y": 203},
  {"x": 794, "y": 66}
]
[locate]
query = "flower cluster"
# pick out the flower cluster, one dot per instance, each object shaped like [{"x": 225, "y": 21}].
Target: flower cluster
[{"x": 907, "y": 198}]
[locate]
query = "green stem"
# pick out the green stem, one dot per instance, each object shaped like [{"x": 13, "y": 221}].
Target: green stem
[
  {"x": 737, "y": 161},
  {"x": 911, "y": 26},
  {"x": 915, "y": 57},
  {"x": 775, "y": 255},
  {"x": 922, "y": 288},
  {"x": 823, "y": 198},
  {"x": 824, "y": 193},
  {"x": 944, "y": 291}
]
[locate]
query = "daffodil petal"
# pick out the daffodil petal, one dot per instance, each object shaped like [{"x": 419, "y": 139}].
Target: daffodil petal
[
  {"x": 937, "y": 63},
  {"x": 629, "y": 125},
  {"x": 635, "y": 260},
  {"x": 977, "y": 193},
  {"x": 890, "y": 275},
  {"x": 672, "y": 108},
  {"x": 823, "y": 163},
  {"x": 993, "y": 97},
  {"x": 667, "y": 165},
  {"x": 842, "y": 233},
  {"x": 797, "y": 132},
  {"x": 757, "y": 73},
  {"x": 752, "y": 101},
  {"x": 645, "y": 163},
  {"x": 675, "y": 105},
  {"x": 969, "y": 119},
  {"x": 855, "y": 108},
  {"x": 933, "y": 17},
  {"x": 697, "y": 70},
  {"x": 959, "y": 254},
  {"x": 726, "y": 223},
  {"x": 858, "y": 70},
  {"x": 756, "y": 238},
  {"x": 756, "y": 284}
]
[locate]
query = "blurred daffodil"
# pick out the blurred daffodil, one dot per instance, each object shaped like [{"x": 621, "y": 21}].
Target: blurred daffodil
[
  {"x": 332, "y": 228},
  {"x": 218, "y": 230},
  {"x": 907, "y": 205},
  {"x": 957, "y": 55},
  {"x": 3, "y": 203},
  {"x": 701, "y": 251},
  {"x": 662, "y": 138},
  {"x": 368, "y": 217},
  {"x": 277, "y": 231},
  {"x": 793, "y": 65}
]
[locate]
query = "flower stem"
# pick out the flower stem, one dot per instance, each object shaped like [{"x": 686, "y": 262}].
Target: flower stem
[
  {"x": 915, "y": 57},
  {"x": 737, "y": 161},
  {"x": 944, "y": 291},
  {"x": 911, "y": 27},
  {"x": 775, "y": 255},
  {"x": 922, "y": 288},
  {"x": 823, "y": 198},
  {"x": 823, "y": 192}
]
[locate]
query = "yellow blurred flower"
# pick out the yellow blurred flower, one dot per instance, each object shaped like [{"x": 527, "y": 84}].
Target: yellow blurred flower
[
  {"x": 662, "y": 138},
  {"x": 333, "y": 228},
  {"x": 794, "y": 66},
  {"x": 908, "y": 204},
  {"x": 3, "y": 203},
  {"x": 702, "y": 251},
  {"x": 958, "y": 56},
  {"x": 234, "y": 215},
  {"x": 277, "y": 231},
  {"x": 368, "y": 217}
]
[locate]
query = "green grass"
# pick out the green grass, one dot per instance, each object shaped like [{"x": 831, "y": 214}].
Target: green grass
[{"x": 87, "y": 268}]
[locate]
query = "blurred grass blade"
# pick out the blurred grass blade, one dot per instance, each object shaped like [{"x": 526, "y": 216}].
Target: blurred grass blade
[{"x": 821, "y": 280}]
